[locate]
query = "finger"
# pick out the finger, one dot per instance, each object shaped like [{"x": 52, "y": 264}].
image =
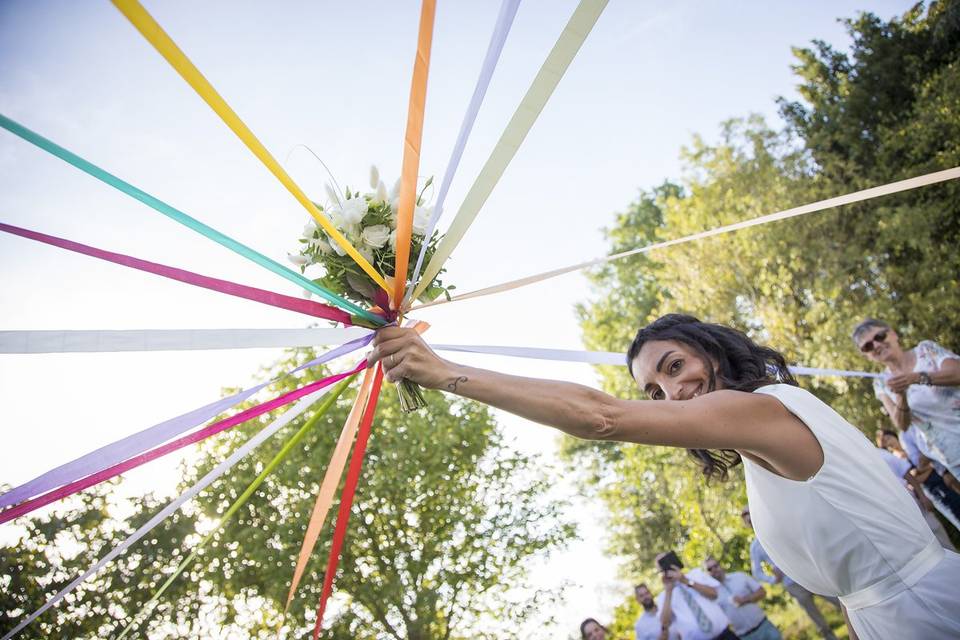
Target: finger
[
  {"x": 396, "y": 371},
  {"x": 386, "y": 334},
  {"x": 385, "y": 349}
]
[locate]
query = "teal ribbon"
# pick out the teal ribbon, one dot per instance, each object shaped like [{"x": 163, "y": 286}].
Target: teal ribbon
[{"x": 211, "y": 233}]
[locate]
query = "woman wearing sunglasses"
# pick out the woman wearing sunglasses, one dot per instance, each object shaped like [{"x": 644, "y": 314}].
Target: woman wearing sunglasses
[{"x": 920, "y": 388}]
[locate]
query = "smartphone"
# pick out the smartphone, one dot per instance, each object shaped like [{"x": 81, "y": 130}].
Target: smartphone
[{"x": 669, "y": 560}]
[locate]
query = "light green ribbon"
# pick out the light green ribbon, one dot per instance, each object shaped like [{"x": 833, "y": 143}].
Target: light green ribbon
[
  {"x": 277, "y": 459},
  {"x": 175, "y": 214}
]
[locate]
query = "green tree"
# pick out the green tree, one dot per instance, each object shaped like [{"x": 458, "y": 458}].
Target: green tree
[
  {"x": 445, "y": 519},
  {"x": 50, "y": 551}
]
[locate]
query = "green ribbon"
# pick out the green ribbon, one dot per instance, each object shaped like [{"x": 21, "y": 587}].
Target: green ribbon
[
  {"x": 277, "y": 459},
  {"x": 228, "y": 242}
]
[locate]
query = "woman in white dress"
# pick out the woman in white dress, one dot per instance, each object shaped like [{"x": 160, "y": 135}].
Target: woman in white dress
[{"x": 824, "y": 504}]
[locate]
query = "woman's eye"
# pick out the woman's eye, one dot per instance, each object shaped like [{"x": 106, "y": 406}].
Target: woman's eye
[
  {"x": 675, "y": 366},
  {"x": 658, "y": 395}
]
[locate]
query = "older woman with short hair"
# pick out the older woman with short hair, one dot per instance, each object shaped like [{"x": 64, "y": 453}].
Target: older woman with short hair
[{"x": 919, "y": 388}]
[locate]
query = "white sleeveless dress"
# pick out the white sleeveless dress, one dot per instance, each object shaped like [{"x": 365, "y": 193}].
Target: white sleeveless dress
[{"x": 852, "y": 531}]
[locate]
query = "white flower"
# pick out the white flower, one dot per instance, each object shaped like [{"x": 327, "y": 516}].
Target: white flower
[
  {"x": 421, "y": 219},
  {"x": 298, "y": 259},
  {"x": 353, "y": 210},
  {"x": 381, "y": 195},
  {"x": 375, "y": 236},
  {"x": 374, "y": 176},
  {"x": 393, "y": 240},
  {"x": 335, "y": 198},
  {"x": 366, "y": 252},
  {"x": 321, "y": 245},
  {"x": 336, "y": 216},
  {"x": 309, "y": 228},
  {"x": 337, "y": 249}
]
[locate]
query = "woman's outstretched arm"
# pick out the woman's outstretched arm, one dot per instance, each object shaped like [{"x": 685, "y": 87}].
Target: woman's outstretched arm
[{"x": 719, "y": 420}]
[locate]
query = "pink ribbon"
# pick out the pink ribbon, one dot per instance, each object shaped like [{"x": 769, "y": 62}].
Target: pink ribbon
[{"x": 308, "y": 307}]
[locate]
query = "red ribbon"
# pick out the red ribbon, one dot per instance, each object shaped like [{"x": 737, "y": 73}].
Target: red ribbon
[
  {"x": 308, "y": 307},
  {"x": 196, "y": 436},
  {"x": 346, "y": 500}
]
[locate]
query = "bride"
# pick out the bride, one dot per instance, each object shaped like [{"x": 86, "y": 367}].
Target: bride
[{"x": 823, "y": 503}]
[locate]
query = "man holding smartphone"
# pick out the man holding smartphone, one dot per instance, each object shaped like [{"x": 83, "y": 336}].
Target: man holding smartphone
[
  {"x": 657, "y": 622},
  {"x": 694, "y": 605}
]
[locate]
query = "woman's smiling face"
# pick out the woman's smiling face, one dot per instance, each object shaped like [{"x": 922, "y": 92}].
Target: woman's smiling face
[{"x": 671, "y": 370}]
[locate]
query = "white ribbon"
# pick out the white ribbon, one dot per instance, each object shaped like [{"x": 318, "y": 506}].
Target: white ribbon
[
  {"x": 610, "y": 357},
  {"x": 222, "y": 468},
  {"x": 56, "y": 342},
  {"x": 170, "y": 339}
]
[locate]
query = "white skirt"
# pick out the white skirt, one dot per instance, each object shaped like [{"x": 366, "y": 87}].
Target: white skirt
[{"x": 928, "y": 609}]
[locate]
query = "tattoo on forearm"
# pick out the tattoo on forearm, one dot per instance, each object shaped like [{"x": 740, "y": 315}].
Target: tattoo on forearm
[{"x": 453, "y": 385}]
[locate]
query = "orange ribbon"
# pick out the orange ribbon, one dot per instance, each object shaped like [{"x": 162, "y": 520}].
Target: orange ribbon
[
  {"x": 411, "y": 150},
  {"x": 330, "y": 481}
]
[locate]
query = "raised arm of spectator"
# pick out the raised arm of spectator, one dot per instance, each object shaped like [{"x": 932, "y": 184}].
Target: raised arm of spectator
[
  {"x": 898, "y": 409},
  {"x": 754, "y": 596},
  {"x": 666, "y": 610},
  {"x": 704, "y": 590}
]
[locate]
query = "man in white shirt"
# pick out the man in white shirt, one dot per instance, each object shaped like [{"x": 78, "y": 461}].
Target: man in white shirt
[
  {"x": 738, "y": 595},
  {"x": 656, "y": 622},
  {"x": 758, "y": 556},
  {"x": 699, "y": 617}
]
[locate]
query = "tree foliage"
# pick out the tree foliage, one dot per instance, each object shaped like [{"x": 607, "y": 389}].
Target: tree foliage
[{"x": 445, "y": 520}]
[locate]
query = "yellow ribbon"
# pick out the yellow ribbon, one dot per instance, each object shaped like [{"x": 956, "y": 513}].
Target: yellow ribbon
[
  {"x": 411, "y": 150},
  {"x": 165, "y": 46},
  {"x": 556, "y": 64}
]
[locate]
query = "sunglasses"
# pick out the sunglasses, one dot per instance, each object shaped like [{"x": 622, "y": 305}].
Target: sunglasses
[
  {"x": 867, "y": 346},
  {"x": 711, "y": 567}
]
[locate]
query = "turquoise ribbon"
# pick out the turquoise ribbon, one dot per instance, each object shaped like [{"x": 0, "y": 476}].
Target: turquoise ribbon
[{"x": 228, "y": 242}]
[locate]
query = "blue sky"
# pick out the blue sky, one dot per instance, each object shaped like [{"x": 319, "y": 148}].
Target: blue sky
[{"x": 335, "y": 76}]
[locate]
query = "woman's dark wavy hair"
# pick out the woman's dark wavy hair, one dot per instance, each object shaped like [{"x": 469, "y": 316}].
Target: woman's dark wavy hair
[
  {"x": 730, "y": 356},
  {"x": 583, "y": 627}
]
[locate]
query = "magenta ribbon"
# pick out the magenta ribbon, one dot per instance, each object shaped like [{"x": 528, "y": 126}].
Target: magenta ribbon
[
  {"x": 300, "y": 305},
  {"x": 213, "y": 429}
]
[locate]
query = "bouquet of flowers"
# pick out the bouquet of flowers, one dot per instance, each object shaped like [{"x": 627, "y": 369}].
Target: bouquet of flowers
[{"x": 369, "y": 222}]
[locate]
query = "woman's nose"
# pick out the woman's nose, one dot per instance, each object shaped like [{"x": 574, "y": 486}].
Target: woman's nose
[{"x": 673, "y": 391}]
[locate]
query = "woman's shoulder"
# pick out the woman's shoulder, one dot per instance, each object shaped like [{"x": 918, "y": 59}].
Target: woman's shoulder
[
  {"x": 797, "y": 400},
  {"x": 930, "y": 353},
  {"x": 926, "y": 346}
]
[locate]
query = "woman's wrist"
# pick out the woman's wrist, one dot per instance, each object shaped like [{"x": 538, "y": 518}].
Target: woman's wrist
[{"x": 453, "y": 378}]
